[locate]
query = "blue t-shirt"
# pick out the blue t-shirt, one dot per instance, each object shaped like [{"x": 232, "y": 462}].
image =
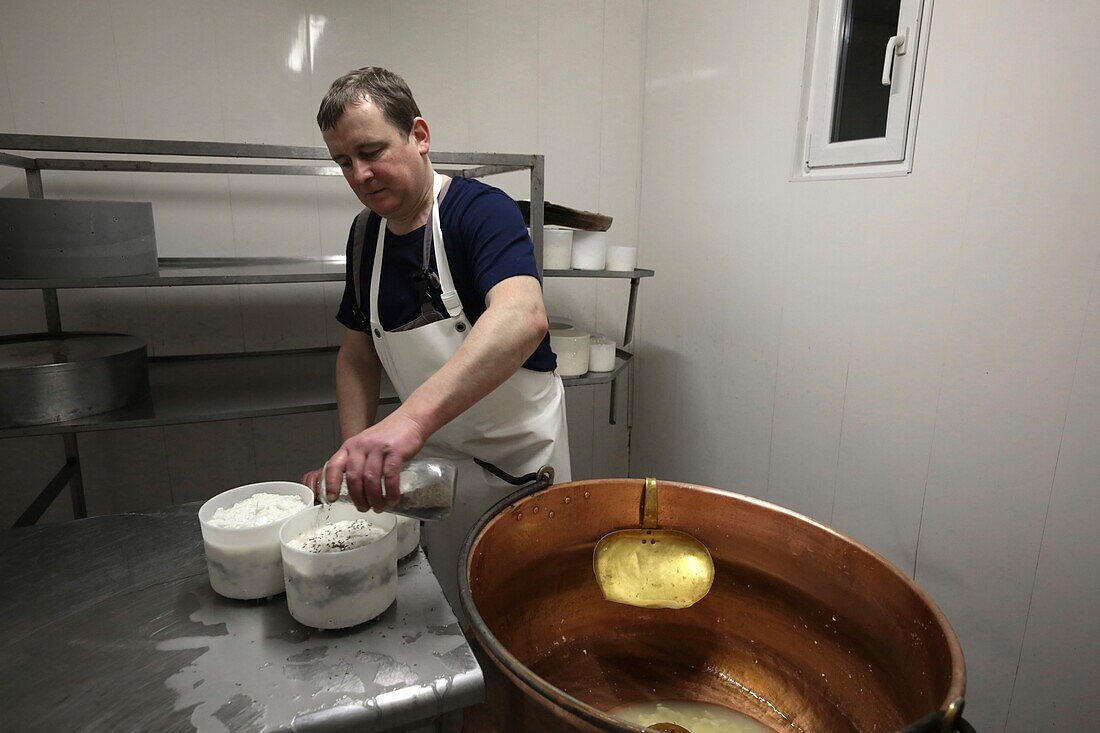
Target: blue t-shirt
[{"x": 486, "y": 242}]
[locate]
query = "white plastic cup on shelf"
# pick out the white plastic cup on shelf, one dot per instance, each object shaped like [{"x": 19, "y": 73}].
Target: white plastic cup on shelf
[
  {"x": 557, "y": 248},
  {"x": 571, "y": 348},
  {"x": 589, "y": 250},
  {"x": 601, "y": 354},
  {"x": 559, "y": 323},
  {"x": 621, "y": 259}
]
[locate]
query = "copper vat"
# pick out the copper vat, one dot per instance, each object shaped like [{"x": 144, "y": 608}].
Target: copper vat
[{"x": 804, "y": 628}]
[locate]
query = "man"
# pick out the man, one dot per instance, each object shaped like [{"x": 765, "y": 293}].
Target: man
[{"x": 442, "y": 291}]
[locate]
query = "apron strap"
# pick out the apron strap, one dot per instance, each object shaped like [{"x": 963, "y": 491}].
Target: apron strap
[
  {"x": 358, "y": 239},
  {"x": 507, "y": 477},
  {"x": 449, "y": 295},
  {"x": 429, "y": 230}
]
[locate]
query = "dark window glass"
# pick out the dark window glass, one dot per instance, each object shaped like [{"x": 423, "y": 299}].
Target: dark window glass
[{"x": 861, "y": 98}]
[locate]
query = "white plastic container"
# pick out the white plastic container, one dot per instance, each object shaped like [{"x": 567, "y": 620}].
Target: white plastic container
[
  {"x": 559, "y": 323},
  {"x": 246, "y": 563},
  {"x": 557, "y": 248},
  {"x": 601, "y": 354},
  {"x": 335, "y": 590},
  {"x": 571, "y": 348},
  {"x": 621, "y": 259},
  {"x": 589, "y": 250},
  {"x": 408, "y": 536}
]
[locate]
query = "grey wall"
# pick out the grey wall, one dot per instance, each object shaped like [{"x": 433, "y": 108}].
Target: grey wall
[{"x": 911, "y": 360}]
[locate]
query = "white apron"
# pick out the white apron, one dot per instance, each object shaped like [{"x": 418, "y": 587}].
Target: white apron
[{"x": 518, "y": 427}]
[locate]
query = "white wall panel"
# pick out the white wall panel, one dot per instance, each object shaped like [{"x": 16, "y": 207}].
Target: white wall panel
[
  {"x": 61, "y": 67},
  {"x": 27, "y": 465},
  {"x": 124, "y": 470},
  {"x": 263, "y": 70},
  {"x": 429, "y": 45},
  {"x": 192, "y": 214},
  {"x": 355, "y": 34},
  {"x": 7, "y": 106},
  {"x": 670, "y": 244},
  {"x": 207, "y": 458},
  {"x": 892, "y": 397},
  {"x": 1025, "y": 274},
  {"x": 620, "y": 117},
  {"x": 169, "y": 90},
  {"x": 13, "y": 182},
  {"x": 21, "y": 311},
  {"x": 201, "y": 319},
  {"x": 821, "y": 281},
  {"x": 272, "y": 217},
  {"x": 578, "y": 407},
  {"x": 287, "y": 446},
  {"x": 1056, "y": 684},
  {"x": 283, "y": 316},
  {"x": 113, "y": 310},
  {"x": 503, "y": 115},
  {"x": 922, "y": 331},
  {"x": 334, "y": 330},
  {"x": 337, "y": 208},
  {"x": 570, "y": 37},
  {"x": 620, "y": 182},
  {"x": 569, "y": 42},
  {"x": 83, "y": 186}
]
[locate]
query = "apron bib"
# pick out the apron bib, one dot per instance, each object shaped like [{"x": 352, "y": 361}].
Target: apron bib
[{"x": 519, "y": 427}]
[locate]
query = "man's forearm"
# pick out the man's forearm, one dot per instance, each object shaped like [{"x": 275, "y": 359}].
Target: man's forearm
[{"x": 358, "y": 382}]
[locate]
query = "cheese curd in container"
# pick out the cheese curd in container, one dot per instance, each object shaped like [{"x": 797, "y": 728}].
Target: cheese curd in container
[
  {"x": 242, "y": 540},
  {"x": 339, "y": 565}
]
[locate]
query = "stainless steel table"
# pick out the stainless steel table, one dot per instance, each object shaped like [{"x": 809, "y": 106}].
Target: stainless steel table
[{"x": 110, "y": 624}]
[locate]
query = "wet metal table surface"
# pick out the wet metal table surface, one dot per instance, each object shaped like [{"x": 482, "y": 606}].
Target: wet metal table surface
[{"x": 110, "y": 624}]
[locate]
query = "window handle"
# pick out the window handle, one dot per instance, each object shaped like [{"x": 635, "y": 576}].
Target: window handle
[{"x": 894, "y": 47}]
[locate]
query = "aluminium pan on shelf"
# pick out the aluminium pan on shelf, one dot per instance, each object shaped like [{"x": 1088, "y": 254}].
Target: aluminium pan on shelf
[
  {"x": 47, "y": 378},
  {"x": 61, "y": 238}
]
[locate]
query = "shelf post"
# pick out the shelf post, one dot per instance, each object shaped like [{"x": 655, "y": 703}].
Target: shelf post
[
  {"x": 628, "y": 334},
  {"x": 76, "y": 481},
  {"x": 71, "y": 471},
  {"x": 45, "y": 497},
  {"x": 538, "y": 201},
  {"x": 34, "y": 183}
]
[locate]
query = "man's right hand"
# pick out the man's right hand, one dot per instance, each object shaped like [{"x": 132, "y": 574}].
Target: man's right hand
[{"x": 373, "y": 457}]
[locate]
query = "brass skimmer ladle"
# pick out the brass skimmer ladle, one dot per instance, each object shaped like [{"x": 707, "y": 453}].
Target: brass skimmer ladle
[{"x": 650, "y": 567}]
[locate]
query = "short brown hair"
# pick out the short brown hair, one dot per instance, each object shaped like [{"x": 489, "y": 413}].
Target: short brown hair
[{"x": 383, "y": 88}]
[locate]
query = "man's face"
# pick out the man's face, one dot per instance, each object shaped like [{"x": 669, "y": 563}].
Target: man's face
[{"x": 383, "y": 165}]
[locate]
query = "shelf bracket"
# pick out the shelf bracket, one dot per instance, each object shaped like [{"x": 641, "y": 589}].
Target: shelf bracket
[
  {"x": 628, "y": 332},
  {"x": 45, "y": 497}
]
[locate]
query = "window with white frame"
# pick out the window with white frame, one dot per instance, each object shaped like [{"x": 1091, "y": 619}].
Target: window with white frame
[{"x": 863, "y": 73}]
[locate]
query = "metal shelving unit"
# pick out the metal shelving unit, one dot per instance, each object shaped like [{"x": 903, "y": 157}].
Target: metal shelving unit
[
  {"x": 212, "y": 387},
  {"x": 208, "y": 388}
]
